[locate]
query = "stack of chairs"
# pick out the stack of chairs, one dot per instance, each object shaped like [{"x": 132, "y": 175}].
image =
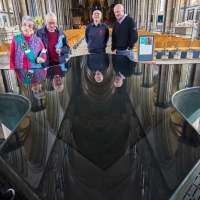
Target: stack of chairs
[
  {"x": 74, "y": 37},
  {"x": 170, "y": 45}
]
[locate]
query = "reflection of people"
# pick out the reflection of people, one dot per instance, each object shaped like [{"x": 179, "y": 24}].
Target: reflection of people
[
  {"x": 56, "y": 74},
  {"x": 54, "y": 40},
  {"x": 8, "y": 195},
  {"x": 124, "y": 34},
  {"x": 97, "y": 63},
  {"x": 123, "y": 67},
  {"x": 97, "y": 34},
  {"x": 34, "y": 77},
  {"x": 26, "y": 47},
  {"x": 38, "y": 90}
]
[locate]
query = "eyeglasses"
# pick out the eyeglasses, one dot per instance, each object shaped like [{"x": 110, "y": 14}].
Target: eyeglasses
[{"x": 53, "y": 23}]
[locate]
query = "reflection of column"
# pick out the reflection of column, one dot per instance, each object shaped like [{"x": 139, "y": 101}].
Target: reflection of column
[
  {"x": 189, "y": 136},
  {"x": 147, "y": 97},
  {"x": 164, "y": 89},
  {"x": 192, "y": 70}
]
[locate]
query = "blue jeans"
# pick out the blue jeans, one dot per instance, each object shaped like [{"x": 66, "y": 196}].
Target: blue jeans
[{"x": 129, "y": 54}]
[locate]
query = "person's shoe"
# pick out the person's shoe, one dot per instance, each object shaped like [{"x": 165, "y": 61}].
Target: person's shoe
[{"x": 9, "y": 194}]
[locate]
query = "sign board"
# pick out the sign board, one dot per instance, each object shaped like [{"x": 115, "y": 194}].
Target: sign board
[{"x": 145, "y": 48}]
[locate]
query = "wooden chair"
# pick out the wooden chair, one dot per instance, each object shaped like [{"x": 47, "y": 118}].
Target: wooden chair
[
  {"x": 3, "y": 50},
  {"x": 195, "y": 45},
  {"x": 159, "y": 45}
]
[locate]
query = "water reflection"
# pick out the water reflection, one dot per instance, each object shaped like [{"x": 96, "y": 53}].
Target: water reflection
[{"x": 104, "y": 141}]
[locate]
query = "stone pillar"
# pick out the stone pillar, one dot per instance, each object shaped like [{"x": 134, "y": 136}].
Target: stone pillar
[
  {"x": 176, "y": 7},
  {"x": 168, "y": 15},
  {"x": 138, "y": 13},
  {"x": 155, "y": 12},
  {"x": 23, "y": 7},
  {"x": 149, "y": 15},
  {"x": 164, "y": 86}
]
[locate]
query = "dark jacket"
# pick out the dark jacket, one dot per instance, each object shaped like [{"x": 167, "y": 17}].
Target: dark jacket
[
  {"x": 96, "y": 37},
  {"x": 123, "y": 65},
  {"x": 98, "y": 61},
  {"x": 124, "y": 35},
  {"x": 41, "y": 33}
]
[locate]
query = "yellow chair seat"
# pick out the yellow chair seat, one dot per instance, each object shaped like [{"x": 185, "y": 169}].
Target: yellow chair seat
[
  {"x": 195, "y": 48},
  {"x": 171, "y": 48},
  {"x": 159, "y": 49},
  {"x": 183, "y": 48}
]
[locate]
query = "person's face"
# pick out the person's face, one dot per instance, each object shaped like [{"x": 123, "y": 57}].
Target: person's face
[
  {"x": 98, "y": 76},
  {"x": 118, "y": 11},
  {"x": 58, "y": 83},
  {"x": 96, "y": 16},
  {"x": 27, "y": 28},
  {"x": 36, "y": 88},
  {"x": 51, "y": 23},
  {"x": 118, "y": 81}
]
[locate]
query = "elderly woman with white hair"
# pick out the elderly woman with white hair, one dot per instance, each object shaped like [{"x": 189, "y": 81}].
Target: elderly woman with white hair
[{"x": 27, "y": 50}]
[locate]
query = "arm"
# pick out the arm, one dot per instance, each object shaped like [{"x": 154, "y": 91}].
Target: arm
[
  {"x": 43, "y": 58},
  {"x": 65, "y": 48},
  {"x": 12, "y": 55},
  {"x": 113, "y": 39},
  {"x": 133, "y": 34},
  {"x": 106, "y": 35},
  {"x": 86, "y": 34}
]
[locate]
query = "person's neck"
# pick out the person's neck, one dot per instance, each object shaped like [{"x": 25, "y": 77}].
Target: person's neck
[
  {"x": 51, "y": 30},
  {"x": 26, "y": 36},
  {"x": 96, "y": 23}
]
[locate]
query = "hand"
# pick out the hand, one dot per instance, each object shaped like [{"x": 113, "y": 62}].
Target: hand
[
  {"x": 115, "y": 51},
  {"x": 40, "y": 60},
  {"x": 58, "y": 51}
]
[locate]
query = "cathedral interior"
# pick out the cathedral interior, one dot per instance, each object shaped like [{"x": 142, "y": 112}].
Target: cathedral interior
[{"x": 93, "y": 140}]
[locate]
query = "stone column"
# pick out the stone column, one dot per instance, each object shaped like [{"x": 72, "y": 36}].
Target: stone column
[
  {"x": 155, "y": 12},
  {"x": 164, "y": 89},
  {"x": 176, "y": 7},
  {"x": 168, "y": 15}
]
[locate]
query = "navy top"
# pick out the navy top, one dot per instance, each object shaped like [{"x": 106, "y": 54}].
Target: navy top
[
  {"x": 124, "y": 35},
  {"x": 96, "y": 37}
]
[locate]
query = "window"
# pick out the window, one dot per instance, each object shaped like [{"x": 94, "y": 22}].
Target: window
[
  {"x": 2, "y": 6},
  {"x": 190, "y": 14},
  {"x": 198, "y": 14},
  {"x": 5, "y": 21}
]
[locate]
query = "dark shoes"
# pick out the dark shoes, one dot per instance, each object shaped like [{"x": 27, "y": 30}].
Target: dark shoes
[{"x": 8, "y": 195}]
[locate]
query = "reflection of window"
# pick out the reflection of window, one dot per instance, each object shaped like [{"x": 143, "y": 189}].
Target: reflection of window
[
  {"x": 190, "y": 15},
  {"x": 198, "y": 15},
  {"x": 2, "y": 6}
]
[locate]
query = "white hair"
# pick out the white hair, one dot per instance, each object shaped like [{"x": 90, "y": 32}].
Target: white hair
[
  {"x": 50, "y": 14},
  {"x": 29, "y": 19}
]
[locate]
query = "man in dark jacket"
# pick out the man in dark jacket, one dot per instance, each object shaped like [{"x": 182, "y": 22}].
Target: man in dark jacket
[
  {"x": 54, "y": 41},
  {"x": 124, "y": 67},
  {"x": 124, "y": 34},
  {"x": 97, "y": 34}
]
